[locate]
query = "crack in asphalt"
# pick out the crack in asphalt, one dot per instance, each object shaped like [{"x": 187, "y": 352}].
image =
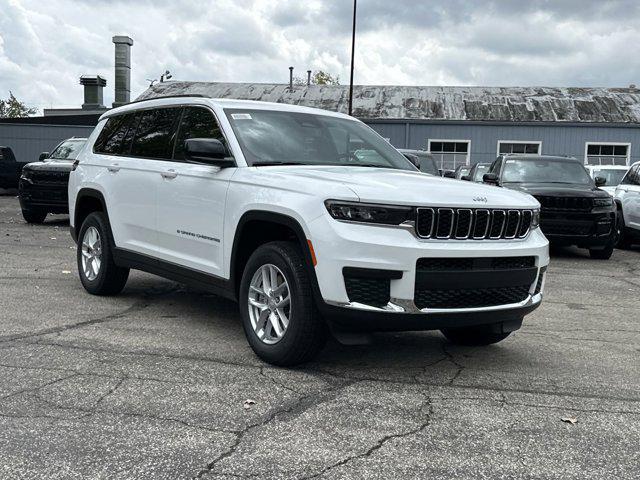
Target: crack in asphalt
[
  {"x": 380, "y": 443},
  {"x": 457, "y": 364},
  {"x": 294, "y": 409},
  {"x": 138, "y": 305}
]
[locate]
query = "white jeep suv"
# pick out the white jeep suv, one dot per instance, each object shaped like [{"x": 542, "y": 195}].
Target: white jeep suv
[
  {"x": 627, "y": 197},
  {"x": 309, "y": 219}
]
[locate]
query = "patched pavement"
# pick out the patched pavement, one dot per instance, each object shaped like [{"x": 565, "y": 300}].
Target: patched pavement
[{"x": 153, "y": 383}]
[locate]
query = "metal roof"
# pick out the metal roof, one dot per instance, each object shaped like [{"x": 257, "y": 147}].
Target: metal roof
[{"x": 498, "y": 104}]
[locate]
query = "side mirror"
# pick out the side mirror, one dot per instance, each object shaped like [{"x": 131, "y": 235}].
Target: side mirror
[
  {"x": 208, "y": 151},
  {"x": 449, "y": 174},
  {"x": 601, "y": 181},
  {"x": 413, "y": 159},
  {"x": 43, "y": 156},
  {"x": 491, "y": 178}
]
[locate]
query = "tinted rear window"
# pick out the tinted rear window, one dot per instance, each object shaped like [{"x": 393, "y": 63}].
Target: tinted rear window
[
  {"x": 156, "y": 132},
  {"x": 115, "y": 137}
]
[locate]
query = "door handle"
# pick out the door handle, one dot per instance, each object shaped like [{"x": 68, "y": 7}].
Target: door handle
[
  {"x": 113, "y": 168},
  {"x": 169, "y": 174}
]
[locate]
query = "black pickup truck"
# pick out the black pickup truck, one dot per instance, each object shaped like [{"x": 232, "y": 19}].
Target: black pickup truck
[
  {"x": 574, "y": 211},
  {"x": 43, "y": 185},
  {"x": 10, "y": 168}
]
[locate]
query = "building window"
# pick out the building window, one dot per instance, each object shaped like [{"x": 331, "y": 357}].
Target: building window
[
  {"x": 607, "y": 153},
  {"x": 515, "y": 146},
  {"x": 450, "y": 153}
]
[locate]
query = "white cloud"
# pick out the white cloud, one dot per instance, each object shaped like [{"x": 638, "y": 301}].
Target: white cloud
[{"x": 46, "y": 46}]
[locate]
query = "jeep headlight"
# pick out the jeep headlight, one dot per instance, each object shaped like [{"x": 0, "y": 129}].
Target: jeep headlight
[
  {"x": 603, "y": 202},
  {"x": 369, "y": 213},
  {"x": 535, "y": 219}
]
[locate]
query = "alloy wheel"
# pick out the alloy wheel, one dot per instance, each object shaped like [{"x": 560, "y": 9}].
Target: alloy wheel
[
  {"x": 91, "y": 253},
  {"x": 269, "y": 304}
]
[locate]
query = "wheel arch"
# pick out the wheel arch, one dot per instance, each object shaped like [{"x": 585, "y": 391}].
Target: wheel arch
[
  {"x": 88, "y": 200},
  {"x": 277, "y": 225}
]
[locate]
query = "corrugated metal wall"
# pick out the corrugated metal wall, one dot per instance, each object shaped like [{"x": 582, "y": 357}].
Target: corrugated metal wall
[
  {"x": 28, "y": 141},
  {"x": 556, "y": 139}
]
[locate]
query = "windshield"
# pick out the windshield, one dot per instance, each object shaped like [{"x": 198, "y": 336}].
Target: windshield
[
  {"x": 545, "y": 171},
  {"x": 480, "y": 171},
  {"x": 270, "y": 137},
  {"x": 613, "y": 177},
  {"x": 67, "y": 150}
]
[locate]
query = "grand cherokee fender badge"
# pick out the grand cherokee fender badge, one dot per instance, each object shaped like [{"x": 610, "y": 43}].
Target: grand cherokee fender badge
[{"x": 480, "y": 199}]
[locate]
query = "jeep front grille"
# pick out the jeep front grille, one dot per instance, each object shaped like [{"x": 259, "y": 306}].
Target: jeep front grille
[{"x": 477, "y": 224}]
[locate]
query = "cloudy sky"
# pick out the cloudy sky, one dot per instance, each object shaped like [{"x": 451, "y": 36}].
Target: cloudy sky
[{"x": 46, "y": 45}]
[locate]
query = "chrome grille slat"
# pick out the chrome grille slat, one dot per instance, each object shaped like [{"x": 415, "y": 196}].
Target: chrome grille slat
[{"x": 478, "y": 224}]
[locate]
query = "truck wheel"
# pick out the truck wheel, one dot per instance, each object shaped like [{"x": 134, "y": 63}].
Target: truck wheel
[
  {"x": 603, "y": 254},
  {"x": 474, "y": 336},
  {"x": 98, "y": 272},
  {"x": 278, "y": 312},
  {"x": 34, "y": 216}
]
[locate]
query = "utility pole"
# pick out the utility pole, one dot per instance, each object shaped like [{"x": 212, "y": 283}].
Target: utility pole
[{"x": 353, "y": 51}]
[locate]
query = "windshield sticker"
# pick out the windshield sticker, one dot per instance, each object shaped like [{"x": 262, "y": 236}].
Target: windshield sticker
[{"x": 241, "y": 116}]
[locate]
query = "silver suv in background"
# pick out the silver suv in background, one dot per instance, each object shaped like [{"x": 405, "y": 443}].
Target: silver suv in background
[{"x": 627, "y": 197}]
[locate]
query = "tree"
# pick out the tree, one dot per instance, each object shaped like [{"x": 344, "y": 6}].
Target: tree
[
  {"x": 14, "y": 108},
  {"x": 319, "y": 78}
]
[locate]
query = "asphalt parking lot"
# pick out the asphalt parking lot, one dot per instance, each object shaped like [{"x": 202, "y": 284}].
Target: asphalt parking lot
[{"x": 154, "y": 383}]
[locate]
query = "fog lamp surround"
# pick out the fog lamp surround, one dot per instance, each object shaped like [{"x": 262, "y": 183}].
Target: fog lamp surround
[{"x": 369, "y": 213}]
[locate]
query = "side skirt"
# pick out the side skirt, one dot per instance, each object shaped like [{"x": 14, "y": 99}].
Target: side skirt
[{"x": 194, "y": 278}]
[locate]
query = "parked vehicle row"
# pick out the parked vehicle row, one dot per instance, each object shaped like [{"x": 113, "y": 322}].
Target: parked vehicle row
[
  {"x": 10, "y": 168},
  {"x": 591, "y": 207}
]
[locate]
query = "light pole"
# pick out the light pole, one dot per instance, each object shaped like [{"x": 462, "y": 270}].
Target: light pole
[{"x": 353, "y": 50}]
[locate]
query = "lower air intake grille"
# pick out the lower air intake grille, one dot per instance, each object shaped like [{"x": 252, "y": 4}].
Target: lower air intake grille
[
  {"x": 470, "y": 298},
  {"x": 375, "y": 292}
]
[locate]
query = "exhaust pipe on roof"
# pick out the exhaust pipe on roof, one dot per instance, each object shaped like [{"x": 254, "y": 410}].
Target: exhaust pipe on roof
[
  {"x": 123, "y": 70},
  {"x": 308, "y": 77},
  {"x": 290, "y": 78}
]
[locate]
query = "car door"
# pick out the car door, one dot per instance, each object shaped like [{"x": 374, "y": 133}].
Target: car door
[
  {"x": 137, "y": 151},
  {"x": 191, "y": 200},
  {"x": 629, "y": 194}
]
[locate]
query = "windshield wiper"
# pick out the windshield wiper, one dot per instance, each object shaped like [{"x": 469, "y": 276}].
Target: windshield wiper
[
  {"x": 371, "y": 165},
  {"x": 270, "y": 164}
]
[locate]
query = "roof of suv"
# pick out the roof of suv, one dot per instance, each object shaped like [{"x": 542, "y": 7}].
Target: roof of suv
[{"x": 220, "y": 102}]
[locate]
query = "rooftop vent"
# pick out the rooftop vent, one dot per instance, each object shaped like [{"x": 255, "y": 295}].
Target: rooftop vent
[{"x": 93, "y": 87}]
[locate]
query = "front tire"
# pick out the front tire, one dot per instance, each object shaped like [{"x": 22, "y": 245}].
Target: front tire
[
  {"x": 98, "y": 272},
  {"x": 34, "y": 216},
  {"x": 474, "y": 336},
  {"x": 280, "y": 318}
]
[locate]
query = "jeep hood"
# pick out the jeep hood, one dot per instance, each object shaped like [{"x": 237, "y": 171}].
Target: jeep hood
[
  {"x": 399, "y": 187},
  {"x": 557, "y": 189}
]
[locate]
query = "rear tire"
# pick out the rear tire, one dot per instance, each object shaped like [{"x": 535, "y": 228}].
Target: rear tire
[
  {"x": 34, "y": 216},
  {"x": 98, "y": 272},
  {"x": 288, "y": 335},
  {"x": 623, "y": 240},
  {"x": 474, "y": 336}
]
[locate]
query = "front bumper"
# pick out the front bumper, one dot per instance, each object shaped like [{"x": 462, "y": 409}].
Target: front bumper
[
  {"x": 340, "y": 245},
  {"x": 586, "y": 230},
  {"x": 50, "y": 197}
]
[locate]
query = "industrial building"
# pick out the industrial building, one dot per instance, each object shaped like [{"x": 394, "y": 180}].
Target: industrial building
[{"x": 466, "y": 125}]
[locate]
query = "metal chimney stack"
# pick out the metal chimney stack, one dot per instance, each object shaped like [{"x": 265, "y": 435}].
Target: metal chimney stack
[
  {"x": 123, "y": 70},
  {"x": 290, "y": 78},
  {"x": 308, "y": 77}
]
